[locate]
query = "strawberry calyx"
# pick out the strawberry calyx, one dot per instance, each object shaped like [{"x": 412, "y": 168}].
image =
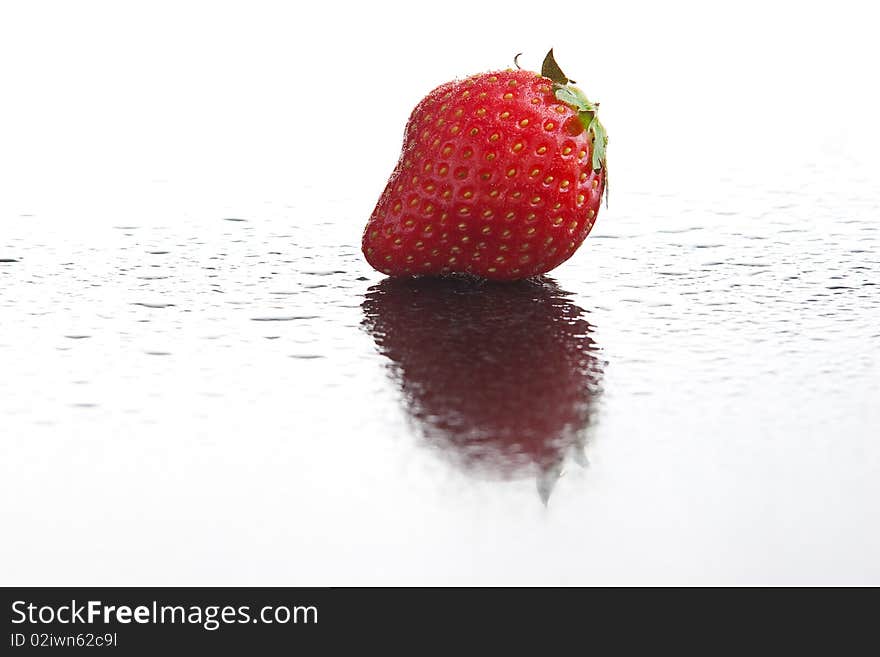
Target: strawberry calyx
[{"x": 587, "y": 111}]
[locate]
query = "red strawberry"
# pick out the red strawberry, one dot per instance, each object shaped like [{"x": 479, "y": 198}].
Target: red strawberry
[
  {"x": 501, "y": 175},
  {"x": 502, "y": 377}
]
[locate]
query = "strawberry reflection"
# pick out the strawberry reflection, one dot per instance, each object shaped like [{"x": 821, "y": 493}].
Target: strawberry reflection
[{"x": 503, "y": 377}]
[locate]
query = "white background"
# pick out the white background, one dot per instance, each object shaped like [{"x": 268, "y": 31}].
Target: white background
[{"x": 102, "y": 97}]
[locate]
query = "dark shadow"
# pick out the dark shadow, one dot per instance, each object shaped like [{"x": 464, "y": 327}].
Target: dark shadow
[{"x": 502, "y": 377}]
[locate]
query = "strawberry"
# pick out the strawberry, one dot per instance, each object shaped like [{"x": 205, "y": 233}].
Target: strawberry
[
  {"x": 501, "y": 175},
  {"x": 503, "y": 378}
]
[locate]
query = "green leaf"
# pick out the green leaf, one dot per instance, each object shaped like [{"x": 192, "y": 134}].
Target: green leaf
[
  {"x": 587, "y": 112},
  {"x": 550, "y": 69},
  {"x": 587, "y": 117},
  {"x": 600, "y": 141},
  {"x": 569, "y": 96}
]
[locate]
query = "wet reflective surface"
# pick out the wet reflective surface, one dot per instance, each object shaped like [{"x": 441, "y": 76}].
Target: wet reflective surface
[{"x": 693, "y": 398}]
